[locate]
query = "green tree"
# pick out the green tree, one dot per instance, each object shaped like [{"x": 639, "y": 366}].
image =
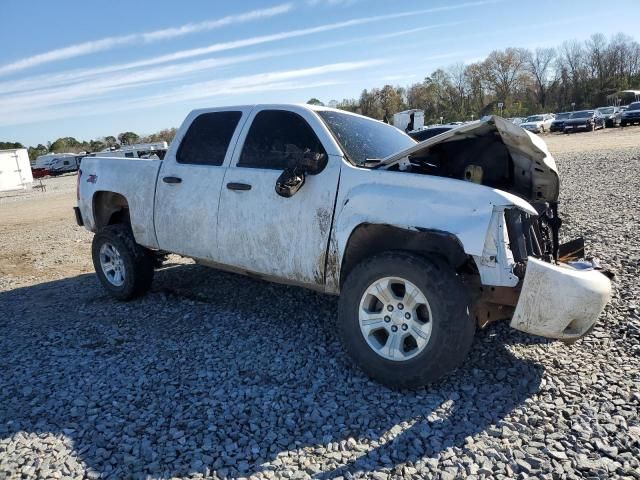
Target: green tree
[
  {"x": 128, "y": 138},
  {"x": 65, "y": 144},
  {"x": 10, "y": 145},
  {"x": 35, "y": 152},
  {"x": 315, "y": 101}
]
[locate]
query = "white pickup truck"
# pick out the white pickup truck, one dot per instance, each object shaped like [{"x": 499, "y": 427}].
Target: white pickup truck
[{"x": 423, "y": 242}]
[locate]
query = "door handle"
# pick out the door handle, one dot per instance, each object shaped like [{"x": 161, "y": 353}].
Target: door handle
[
  {"x": 171, "y": 179},
  {"x": 238, "y": 186}
]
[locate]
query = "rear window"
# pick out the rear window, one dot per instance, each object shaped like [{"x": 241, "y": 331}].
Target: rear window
[
  {"x": 634, "y": 106},
  {"x": 207, "y": 140}
]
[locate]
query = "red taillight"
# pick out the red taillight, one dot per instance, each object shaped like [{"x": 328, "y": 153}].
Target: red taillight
[{"x": 78, "y": 185}]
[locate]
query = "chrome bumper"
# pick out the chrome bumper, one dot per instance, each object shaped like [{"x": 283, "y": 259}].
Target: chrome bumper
[{"x": 560, "y": 301}]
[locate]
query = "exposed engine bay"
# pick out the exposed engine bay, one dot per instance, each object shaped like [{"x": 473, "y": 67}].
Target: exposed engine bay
[{"x": 500, "y": 155}]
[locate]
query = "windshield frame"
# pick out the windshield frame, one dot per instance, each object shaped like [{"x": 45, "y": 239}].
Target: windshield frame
[{"x": 347, "y": 152}]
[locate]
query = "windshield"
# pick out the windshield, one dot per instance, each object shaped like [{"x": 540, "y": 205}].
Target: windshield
[
  {"x": 365, "y": 139},
  {"x": 634, "y": 106},
  {"x": 560, "y": 116},
  {"x": 584, "y": 114},
  {"x": 534, "y": 118},
  {"x": 606, "y": 110}
]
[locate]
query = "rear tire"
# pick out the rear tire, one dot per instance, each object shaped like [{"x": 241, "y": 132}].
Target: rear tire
[
  {"x": 124, "y": 268},
  {"x": 438, "y": 332}
]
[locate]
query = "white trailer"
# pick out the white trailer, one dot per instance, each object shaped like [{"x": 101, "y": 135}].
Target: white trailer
[
  {"x": 409, "y": 120},
  {"x": 15, "y": 170},
  {"x": 65, "y": 164},
  {"x": 45, "y": 161}
]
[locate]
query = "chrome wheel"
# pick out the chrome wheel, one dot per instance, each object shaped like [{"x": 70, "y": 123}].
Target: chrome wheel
[
  {"x": 112, "y": 264},
  {"x": 395, "y": 318}
]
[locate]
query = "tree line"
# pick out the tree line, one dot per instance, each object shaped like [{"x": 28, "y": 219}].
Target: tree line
[
  {"x": 72, "y": 145},
  {"x": 574, "y": 75}
]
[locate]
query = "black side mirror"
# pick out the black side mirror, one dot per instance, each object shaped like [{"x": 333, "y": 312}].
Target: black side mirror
[{"x": 290, "y": 181}]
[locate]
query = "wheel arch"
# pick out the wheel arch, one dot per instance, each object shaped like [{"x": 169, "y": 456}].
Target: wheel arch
[
  {"x": 368, "y": 239},
  {"x": 109, "y": 208}
]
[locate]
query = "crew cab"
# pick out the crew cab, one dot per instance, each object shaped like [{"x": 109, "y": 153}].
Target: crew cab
[{"x": 423, "y": 241}]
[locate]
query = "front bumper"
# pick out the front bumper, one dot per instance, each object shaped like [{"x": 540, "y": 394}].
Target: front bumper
[
  {"x": 560, "y": 301},
  {"x": 579, "y": 126}
]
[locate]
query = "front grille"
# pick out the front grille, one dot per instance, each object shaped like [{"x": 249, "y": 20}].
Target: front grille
[{"x": 529, "y": 235}]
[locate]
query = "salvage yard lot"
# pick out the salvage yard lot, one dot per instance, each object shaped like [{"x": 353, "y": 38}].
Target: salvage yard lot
[{"x": 220, "y": 375}]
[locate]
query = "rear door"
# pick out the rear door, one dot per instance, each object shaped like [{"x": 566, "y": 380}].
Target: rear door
[
  {"x": 262, "y": 232},
  {"x": 189, "y": 183}
]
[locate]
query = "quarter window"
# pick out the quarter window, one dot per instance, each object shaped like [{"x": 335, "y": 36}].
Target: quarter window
[
  {"x": 207, "y": 140},
  {"x": 277, "y": 139}
]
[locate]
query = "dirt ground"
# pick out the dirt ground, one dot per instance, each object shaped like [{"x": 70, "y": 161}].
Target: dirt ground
[{"x": 40, "y": 240}]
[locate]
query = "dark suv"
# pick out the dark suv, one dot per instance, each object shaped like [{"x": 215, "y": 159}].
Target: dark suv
[{"x": 631, "y": 114}]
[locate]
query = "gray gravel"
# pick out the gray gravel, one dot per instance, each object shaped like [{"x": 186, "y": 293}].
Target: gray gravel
[{"x": 216, "y": 375}]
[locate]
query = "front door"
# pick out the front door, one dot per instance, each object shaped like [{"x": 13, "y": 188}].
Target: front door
[
  {"x": 189, "y": 183},
  {"x": 262, "y": 232}
]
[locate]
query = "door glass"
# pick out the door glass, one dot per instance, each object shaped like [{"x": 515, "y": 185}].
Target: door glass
[
  {"x": 207, "y": 140},
  {"x": 277, "y": 139}
]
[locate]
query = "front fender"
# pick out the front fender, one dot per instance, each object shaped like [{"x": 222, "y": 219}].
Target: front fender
[{"x": 416, "y": 202}]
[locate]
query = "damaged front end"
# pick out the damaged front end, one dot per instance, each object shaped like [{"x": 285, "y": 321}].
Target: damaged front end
[
  {"x": 524, "y": 273},
  {"x": 561, "y": 293},
  {"x": 556, "y": 292}
]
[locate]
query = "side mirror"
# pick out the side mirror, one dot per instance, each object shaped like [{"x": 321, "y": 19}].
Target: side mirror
[{"x": 290, "y": 181}]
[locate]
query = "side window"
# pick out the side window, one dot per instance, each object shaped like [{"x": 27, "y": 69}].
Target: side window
[
  {"x": 207, "y": 139},
  {"x": 129, "y": 154},
  {"x": 276, "y": 139}
]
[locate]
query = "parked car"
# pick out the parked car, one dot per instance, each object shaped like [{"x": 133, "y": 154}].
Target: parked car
[
  {"x": 423, "y": 242},
  {"x": 631, "y": 115},
  {"x": 558, "y": 122},
  {"x": 425, "y": 133},
  {"x": 538, "y": 123},
  {"x": 612, "y": 116},
  {"x": 516, "y": 120},
  {"x": 587, "y": 120}
]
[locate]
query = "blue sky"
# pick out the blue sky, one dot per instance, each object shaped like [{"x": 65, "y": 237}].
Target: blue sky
[{"x": 83, "y": 69}]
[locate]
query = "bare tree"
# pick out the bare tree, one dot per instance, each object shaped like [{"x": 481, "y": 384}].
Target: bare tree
[
  {"x": 540, "y": 64},
  {"x": 503, "y": 69}
]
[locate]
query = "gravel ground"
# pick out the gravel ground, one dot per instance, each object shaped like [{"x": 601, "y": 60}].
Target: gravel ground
[{"x": 217, "y": 375}]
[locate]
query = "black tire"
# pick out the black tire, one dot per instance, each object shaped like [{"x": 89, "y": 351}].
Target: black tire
[
  {"x": 138, "y": 262},
  {"x": 452, "y": 330}
]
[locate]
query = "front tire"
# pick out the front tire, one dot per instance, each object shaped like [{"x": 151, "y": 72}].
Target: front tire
[
  {"x": 124, "y": 268},
  {"x": 405, "y": 319}
]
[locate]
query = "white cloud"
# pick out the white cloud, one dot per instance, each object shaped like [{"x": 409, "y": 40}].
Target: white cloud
[
  {"x": 109, "y": 43},
  {"x": 78, "y": 75},
  {"x": 296, "y": 79}
]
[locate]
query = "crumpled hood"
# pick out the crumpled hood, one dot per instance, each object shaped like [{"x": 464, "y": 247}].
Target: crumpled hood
[{"x": 528, "y": 151}]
